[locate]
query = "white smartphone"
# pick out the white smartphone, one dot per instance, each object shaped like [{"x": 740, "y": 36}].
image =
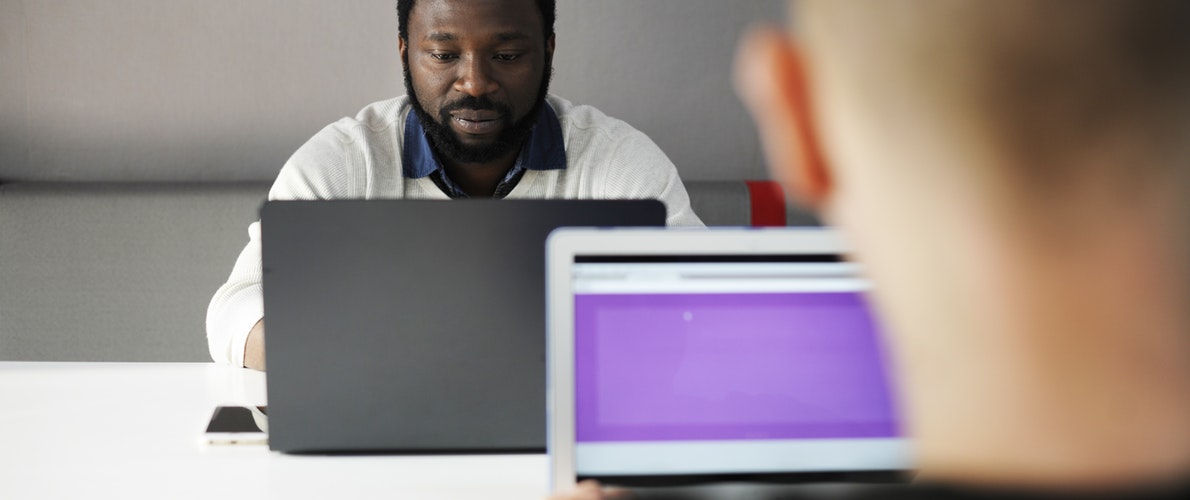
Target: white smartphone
[{"x": 238, "y": 425}]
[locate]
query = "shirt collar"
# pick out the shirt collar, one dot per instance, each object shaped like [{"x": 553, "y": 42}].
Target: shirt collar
[{"x": 543, "y": 150}]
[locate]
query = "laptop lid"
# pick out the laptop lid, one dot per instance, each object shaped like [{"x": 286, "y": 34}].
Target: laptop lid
[
  {"x": 724, "y": 354},
  {"x": 413, "y": 326}
]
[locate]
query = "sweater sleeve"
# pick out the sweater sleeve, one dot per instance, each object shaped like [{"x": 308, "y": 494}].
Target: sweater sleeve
[
  {"x": 637, "y": 168},
  {"x": 320, "y": 169}
]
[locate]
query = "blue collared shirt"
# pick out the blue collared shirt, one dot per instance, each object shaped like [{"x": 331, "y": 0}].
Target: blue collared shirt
[{"x": 543, "y": 150}]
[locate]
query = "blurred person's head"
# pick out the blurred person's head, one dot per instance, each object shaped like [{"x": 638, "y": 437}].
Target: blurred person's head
[{"x": 1014, "y": 176}]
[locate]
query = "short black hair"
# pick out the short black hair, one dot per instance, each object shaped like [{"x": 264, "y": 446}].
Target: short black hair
[{"x": 547, "y": 9}]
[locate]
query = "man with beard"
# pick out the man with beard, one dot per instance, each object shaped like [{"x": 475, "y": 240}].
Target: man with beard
[{"x": 477, "y": 122}]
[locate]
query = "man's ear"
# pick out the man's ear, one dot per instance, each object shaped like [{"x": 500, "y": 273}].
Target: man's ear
[
  {"x": 549, "y": 51},
  {"x": 770, "y": 78},
  {"x": 402, "y": 48}
]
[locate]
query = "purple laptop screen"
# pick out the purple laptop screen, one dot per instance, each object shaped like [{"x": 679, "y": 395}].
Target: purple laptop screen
[{"x": 662, "y": 367}]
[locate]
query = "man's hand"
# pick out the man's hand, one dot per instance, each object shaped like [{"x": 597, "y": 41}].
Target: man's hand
[
  {"x": 254, "y": 347},
  {"x": 591, "y": 490}
]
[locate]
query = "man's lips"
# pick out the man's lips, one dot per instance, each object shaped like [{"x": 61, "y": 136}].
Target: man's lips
[
  {"x": 476, "y": 121},
  {"x": 476, "y": 115}
]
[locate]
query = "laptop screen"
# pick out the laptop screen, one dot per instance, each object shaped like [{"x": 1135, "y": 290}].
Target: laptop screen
[{"x": 728, "y": 364}]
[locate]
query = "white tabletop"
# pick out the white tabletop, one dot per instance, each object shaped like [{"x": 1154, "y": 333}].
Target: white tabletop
[{"x": 132, "y": 430}]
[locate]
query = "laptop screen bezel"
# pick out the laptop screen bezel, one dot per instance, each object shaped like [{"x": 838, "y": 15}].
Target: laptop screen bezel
[{"x": 567, "y": 246}]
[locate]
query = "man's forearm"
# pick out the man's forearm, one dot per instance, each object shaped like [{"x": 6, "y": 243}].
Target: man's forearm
[{"x": 254, "y": 347}]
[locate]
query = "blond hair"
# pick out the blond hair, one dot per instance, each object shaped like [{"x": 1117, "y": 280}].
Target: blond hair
[{"x": 1045, "y": 82}]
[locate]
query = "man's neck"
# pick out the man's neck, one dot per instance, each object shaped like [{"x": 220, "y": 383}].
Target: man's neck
[
  {"x": 479, "y": 180},
  {"x": 1072, "y": 363}
]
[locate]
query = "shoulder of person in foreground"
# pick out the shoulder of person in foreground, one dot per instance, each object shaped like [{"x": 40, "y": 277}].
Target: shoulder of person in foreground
[{"x": 593, "y": 490}]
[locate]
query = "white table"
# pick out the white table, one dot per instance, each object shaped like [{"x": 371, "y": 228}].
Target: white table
[{"x": 132, "y": 430}]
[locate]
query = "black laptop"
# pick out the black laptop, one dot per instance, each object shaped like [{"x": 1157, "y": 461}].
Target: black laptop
[{"x": 413, "y": 326}]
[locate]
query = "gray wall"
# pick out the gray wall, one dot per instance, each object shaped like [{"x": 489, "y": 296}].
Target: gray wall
[{"x": 226, "y": 90}]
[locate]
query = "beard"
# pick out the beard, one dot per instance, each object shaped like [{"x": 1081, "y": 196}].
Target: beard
[{"x": 447, "y": 143}]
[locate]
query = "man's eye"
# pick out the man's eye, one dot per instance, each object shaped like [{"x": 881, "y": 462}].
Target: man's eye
[
  {"x": 507, "y": 57},
  {"x": 442, "y": 56}
]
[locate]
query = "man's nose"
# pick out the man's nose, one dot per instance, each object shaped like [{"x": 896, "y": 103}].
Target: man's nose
[{"x": 475, "y": 77}]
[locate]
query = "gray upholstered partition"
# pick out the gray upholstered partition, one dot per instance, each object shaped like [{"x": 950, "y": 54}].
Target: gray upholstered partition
[
  {"x": 123, "y": 272},
  {"x": 115, "y": 272}
]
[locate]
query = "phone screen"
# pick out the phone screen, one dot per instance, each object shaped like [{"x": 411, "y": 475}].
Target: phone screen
[{"x": 237, "y": 425}]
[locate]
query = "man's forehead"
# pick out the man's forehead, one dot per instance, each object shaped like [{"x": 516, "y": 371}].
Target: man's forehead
[{"x": 458, "y": 19}]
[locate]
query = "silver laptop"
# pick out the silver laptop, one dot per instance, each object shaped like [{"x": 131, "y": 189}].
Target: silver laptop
[
  {"x": 413, "y": 326},
  {"x": 723, "y": 354}
]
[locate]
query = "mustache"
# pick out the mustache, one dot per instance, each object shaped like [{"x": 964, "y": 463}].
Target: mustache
[{"x": 476, "y": 103}]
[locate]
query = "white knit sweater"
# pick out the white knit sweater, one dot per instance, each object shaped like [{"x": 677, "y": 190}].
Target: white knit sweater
[{"x": 360, "y": 158}]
